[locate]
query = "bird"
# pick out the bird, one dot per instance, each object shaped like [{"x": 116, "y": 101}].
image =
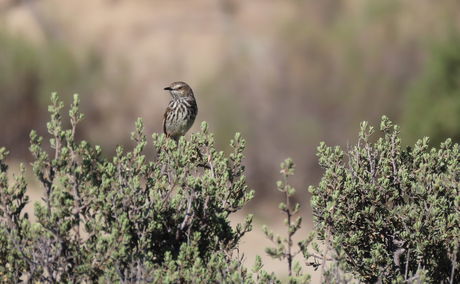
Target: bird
[{"x": 181, "y": 111}]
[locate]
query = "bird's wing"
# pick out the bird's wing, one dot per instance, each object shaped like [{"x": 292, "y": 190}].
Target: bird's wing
[{"x": 164, "y": 121}]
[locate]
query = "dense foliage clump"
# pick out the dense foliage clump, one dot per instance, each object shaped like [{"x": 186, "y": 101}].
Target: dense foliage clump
[{"x": 391, "y": 213}]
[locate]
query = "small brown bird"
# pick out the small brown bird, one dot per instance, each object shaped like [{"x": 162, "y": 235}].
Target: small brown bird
[{"x": 181, "y": 111}]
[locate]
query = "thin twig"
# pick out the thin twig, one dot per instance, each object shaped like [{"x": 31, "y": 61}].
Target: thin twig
[{"x": 407, "y": 263}]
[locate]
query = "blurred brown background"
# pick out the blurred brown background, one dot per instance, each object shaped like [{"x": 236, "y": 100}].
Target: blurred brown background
[{"x": 287, "y": 74}]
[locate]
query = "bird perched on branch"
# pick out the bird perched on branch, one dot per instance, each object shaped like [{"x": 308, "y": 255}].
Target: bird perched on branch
[{"x": 181, "y": 111}]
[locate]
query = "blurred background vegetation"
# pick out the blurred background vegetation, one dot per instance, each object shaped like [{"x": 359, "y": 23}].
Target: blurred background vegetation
[{"x": 287, "y": 74}]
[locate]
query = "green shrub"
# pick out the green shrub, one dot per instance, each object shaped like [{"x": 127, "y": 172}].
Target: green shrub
[
  {"x": 284, "y": 247},
  {"x": 391, "y": 214},
  {"x": 126, "y": 218}
]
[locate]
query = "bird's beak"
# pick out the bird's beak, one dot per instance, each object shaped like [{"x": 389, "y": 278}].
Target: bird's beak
[{"x": 167, "y": 89}]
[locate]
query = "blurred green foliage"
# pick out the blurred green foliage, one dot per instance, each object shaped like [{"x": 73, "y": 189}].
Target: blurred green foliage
[
  {"x": 29, "y": 71},
  {"x": 40, "y": 68},
  {"x": 433, "y": 104}
]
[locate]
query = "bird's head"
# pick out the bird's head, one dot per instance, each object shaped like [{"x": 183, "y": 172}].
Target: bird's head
[{"x": 179, "y": 90}]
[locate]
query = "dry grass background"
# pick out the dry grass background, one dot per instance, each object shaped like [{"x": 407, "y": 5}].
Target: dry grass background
[{"x": 287, "y": 74}]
